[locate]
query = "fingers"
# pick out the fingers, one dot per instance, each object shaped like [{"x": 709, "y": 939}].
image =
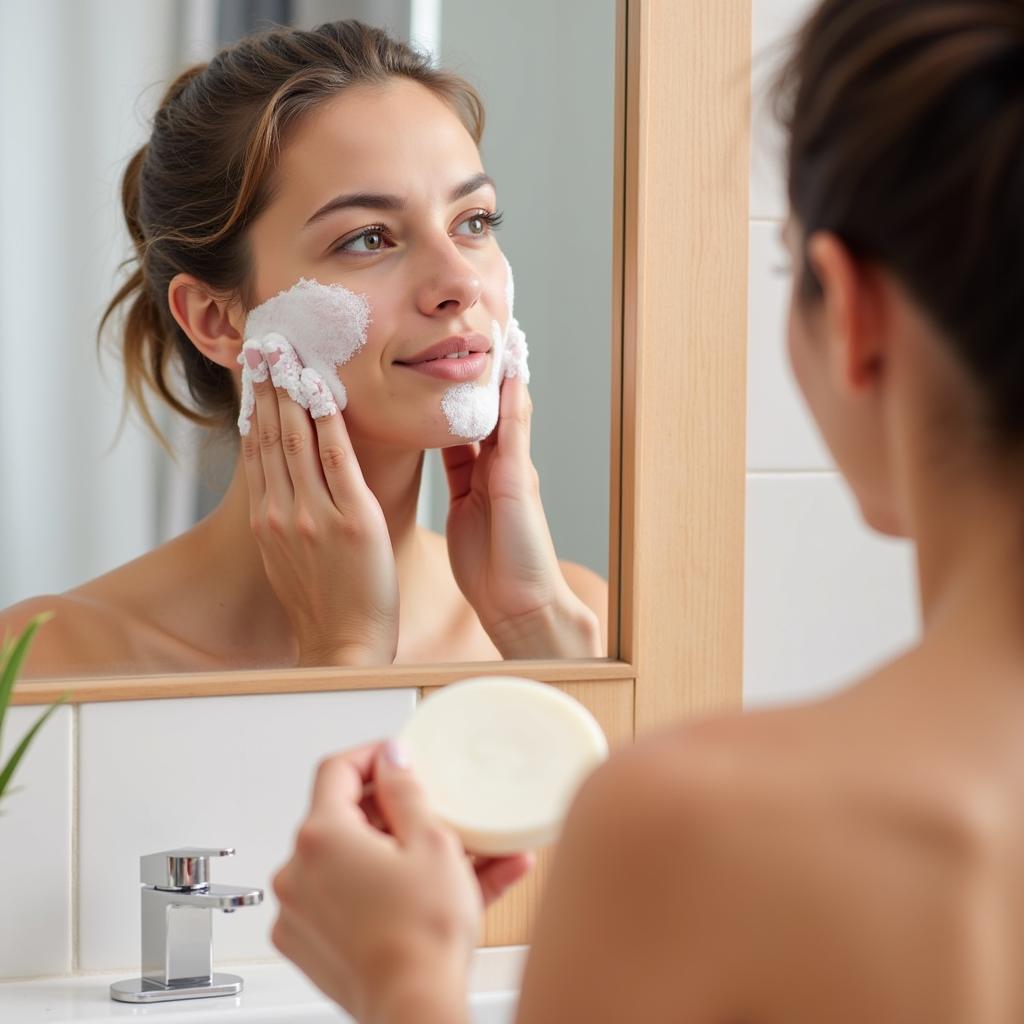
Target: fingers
[
  {"x": 338, "y": 461},
  {"x": 514, "y": 420},
  {"x": 341, "y": 780},
  {"x": 306, "y": 948},
  {"x": 459, "y": 461},
  {"x": 252, "y": 460},
  {"x": 299, "y": 444},
  {"x": 401, "y": 799},
  {"x": 499, "y": 873},
  {"x": 267, "y": 428},
  {"x": 296, "y": 457},
  {"x": 299, "y": 389}
]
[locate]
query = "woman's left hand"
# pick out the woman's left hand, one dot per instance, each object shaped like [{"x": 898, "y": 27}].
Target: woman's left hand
[
  {"x": 500, "y": 546},
  {"x": 379, "y": 904}
]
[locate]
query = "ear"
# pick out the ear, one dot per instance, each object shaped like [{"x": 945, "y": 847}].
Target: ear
[
  {"x": 854, "y": 307},
  {"x": 213, "y": 324}
]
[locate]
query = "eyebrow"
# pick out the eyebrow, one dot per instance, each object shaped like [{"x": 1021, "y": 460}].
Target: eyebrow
[{"x": 382, "y": 201}]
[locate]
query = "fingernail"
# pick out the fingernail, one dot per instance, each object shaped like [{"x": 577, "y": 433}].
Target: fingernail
[
  {"x": 395, "y": 754},
  {"x": 253, "y": 357}
]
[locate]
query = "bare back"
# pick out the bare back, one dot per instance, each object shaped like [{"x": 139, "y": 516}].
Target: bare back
[{"x": 855, "y": 860}]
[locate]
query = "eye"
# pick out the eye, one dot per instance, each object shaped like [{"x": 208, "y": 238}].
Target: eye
[
  {"x": 479, "y": 224},
  {"x": 372, "y": 239}
]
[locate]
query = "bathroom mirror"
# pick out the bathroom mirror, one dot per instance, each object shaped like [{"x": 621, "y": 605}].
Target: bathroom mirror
[{"x": 81, "y": 499}]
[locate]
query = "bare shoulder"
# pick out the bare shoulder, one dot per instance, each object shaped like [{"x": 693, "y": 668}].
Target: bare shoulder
[
  {"x": 587, "y": 585},
  {"x": 678, "y": 846},
  {"x": 697, "y": 779},
  {"x": 732, "y": 845},
  {"x": 591, "y": 589},
  {"x": 106, "y": 624},
  {"x": 75, "y": 641},
  {"x": 788, "y": 780}
]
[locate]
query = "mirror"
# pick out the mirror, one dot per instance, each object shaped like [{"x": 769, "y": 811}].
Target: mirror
[{"x": 82, "y": 500}]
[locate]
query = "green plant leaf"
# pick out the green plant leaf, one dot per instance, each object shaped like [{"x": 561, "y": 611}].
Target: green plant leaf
[
  {"x": 19, "y": 753},
  {"x": 10, "y": 663}
]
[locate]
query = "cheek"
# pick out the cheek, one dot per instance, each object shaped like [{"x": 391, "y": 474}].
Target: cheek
[{"x": 380, "y": 331}]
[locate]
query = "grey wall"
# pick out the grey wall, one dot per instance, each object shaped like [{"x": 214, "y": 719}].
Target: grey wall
[{"x": 546, "y": 72}]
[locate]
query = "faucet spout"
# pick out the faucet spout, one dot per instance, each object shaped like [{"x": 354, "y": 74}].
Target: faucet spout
[{"x": 211, "y": 897}]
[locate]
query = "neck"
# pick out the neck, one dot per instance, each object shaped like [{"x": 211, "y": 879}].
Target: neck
[
  {"x": 969, "y": 530},
  {"x": 394, "y": 477}
]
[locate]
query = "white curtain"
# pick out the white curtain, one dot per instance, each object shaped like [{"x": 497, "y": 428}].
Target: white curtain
[{"x": 78, "y": 82}]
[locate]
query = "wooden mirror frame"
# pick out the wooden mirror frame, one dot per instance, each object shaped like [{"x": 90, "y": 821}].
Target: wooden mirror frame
[{"x": 678, "y": 456}]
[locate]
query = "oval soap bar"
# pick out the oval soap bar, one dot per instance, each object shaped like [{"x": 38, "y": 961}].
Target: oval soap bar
[{"x": 501, "y": 759}]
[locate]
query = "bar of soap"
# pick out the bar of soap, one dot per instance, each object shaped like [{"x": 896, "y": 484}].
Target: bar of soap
[{"x": 501, "y": 759}]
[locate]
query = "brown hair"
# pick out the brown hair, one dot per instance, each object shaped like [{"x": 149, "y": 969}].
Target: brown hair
[
  {"x": 905, "y": 123},
  {"x": 206, "y": 173}
]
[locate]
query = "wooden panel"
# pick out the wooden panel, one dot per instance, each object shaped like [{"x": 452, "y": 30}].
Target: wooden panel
[
  {"x": 684, "y": 358},
  {"x": 311, "y": 680},
  {"x": 510, "y": 920}
]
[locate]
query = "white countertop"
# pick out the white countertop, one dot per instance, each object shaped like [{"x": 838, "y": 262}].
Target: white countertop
[{"x": 275, "y": 992}]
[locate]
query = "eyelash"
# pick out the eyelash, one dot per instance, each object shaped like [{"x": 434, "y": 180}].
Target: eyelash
[{"x": 492, "y": 220}]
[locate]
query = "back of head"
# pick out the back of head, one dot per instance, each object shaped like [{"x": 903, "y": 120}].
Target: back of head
[
  {"x": 207, "y": 172},
  {"x": 905, "y": 121}
]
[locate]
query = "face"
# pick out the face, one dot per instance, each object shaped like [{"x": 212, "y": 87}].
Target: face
[
  {"x": 381, "y": 190},
  {"x": 837, "y": 366}
]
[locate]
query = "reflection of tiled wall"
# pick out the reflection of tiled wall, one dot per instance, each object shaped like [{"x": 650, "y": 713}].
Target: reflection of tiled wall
[
  {"x": 104, "y": 783},
  {"x": 825, "y": 597}
]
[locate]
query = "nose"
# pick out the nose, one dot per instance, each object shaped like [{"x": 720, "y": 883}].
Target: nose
[{"x": 450, "y": 283}]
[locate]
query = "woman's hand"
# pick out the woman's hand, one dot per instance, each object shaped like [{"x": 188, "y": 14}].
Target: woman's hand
[
  {"x": 500, "y": 546},
  {"x": 379, "y": 904},
  {"x": 320, "y": 530}
]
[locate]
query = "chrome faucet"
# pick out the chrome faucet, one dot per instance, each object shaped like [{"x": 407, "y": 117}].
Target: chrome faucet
[{"x": 177, "y": 928}]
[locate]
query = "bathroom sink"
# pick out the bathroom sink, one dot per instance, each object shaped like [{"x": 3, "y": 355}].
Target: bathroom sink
[{"x": 274, "y": 993}]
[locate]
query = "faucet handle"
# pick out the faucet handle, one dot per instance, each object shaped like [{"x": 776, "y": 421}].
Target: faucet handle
[{"x": 185, "y": 868}]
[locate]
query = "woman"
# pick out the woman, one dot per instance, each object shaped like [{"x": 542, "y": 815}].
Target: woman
[
  {"x": 342, "y": 157},
  {"x": 856, "y": 859}
]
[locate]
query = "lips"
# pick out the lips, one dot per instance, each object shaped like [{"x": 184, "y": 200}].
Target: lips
[
  {"x": 456, "y": 345},
  {"x": 460, "y": 358}
]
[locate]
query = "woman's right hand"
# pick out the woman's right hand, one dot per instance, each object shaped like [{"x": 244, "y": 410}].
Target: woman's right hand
[{"x": 320, "y": 530}]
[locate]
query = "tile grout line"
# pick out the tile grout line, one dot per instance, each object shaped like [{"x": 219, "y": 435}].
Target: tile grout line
[{"x": 75, "y": 814}]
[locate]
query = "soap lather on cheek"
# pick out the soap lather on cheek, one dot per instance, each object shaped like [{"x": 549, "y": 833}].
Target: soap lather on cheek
[
  {"x": 472, "y": 409},
  {"x": 312, "y": 328}
]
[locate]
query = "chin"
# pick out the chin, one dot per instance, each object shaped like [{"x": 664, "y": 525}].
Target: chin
[{"x": 407, "y": 436}]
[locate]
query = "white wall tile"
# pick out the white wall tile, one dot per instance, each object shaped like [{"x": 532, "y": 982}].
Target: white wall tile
[
  {"x": 826, "y": 598},
  {"x": 35, "y": 847},
  {"x": 780, "y": 431},
  {"x": 219, "y": 771},
  {"x": 772, "y": 22}
]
